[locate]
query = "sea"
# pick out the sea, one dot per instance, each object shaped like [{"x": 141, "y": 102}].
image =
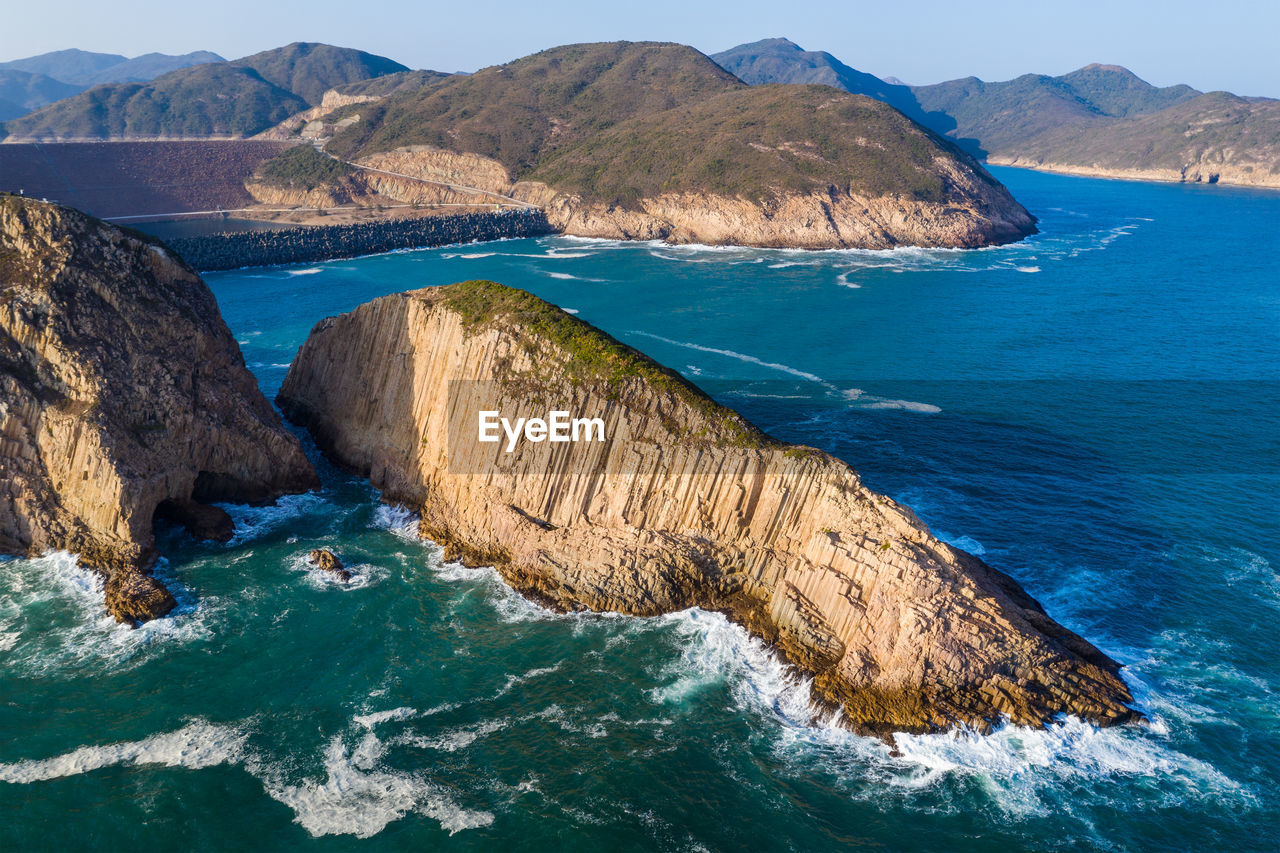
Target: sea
[{"x": 1094, "y": 410}]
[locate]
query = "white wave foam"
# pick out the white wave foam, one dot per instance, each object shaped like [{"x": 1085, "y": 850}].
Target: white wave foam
[
  {"x": 254, "y": 522},
  {"x": 900, "y": 405},
  {"x": 374, "y": 718},
  {"x": 750, "y": 359},
  {"x": 197, "y": 744},
  {"x": 309, "y": 271},
  {"x": 1022, "y": 771},
  {"x": 398, "y": 520},
  {"x": 1027, "y": 269},
  {"x": 965, "y": 543},
  {"x": 563, "y": 276},
  {"x": 77, "y": 629},
  {"x": 570, "y": 310},
  {"x": 455, "y": 739},
  {"x": 359, "y": 798},
  {"x": 361, "y": 574}
]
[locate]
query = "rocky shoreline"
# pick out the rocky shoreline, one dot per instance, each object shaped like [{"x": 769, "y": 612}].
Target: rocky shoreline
[
  {"x": 1196, "y": 173},
  {"x": 310, "y": 243}
]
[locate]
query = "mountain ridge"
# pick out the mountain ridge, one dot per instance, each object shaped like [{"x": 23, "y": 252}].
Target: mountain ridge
[{"x": 1100, "y": 119}]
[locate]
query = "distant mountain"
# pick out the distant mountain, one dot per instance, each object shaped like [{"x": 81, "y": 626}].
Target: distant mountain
[
  {"x": 213, "y": 100},
  {"x": 22, "y": 91},
  {"x": 782, "y": 61},
  {"x": 85, "y": 69},
  {"x": 237, "y": 98},
  {"x": 1100, "y": 119},
  {"x": 69, "y": 66}
]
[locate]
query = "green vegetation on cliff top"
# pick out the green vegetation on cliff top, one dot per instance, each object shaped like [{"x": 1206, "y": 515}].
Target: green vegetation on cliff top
[
  {"x": 621, "y": 121},
  {"x": 302, "y": 168},
  {"x": 592, "y": 354}
]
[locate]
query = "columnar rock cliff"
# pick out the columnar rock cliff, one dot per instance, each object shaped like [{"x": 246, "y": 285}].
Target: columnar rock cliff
[
  {"x": 683, "y": 504},
  {"x": 122, "y": 396}
]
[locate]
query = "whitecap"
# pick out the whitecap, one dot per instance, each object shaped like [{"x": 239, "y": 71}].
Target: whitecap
[
  {"x": 357, "y": 797},
  {"x": 80, "y": 631},
  {"x": 196, "y": 745},
  {"x": 253, "y": 522},
  {"x": 1027, "y": 269},
  {"x": 570, "y": 310},
  {"x": 310, "y": 271},
  {"x": 374, "y": 718}
]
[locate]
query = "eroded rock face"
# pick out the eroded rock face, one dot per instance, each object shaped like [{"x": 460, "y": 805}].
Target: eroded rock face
[
  {"x": 684, "y": 504},
  {"x": 121, "y": 389},
  {"x": 976, "y": 212}
]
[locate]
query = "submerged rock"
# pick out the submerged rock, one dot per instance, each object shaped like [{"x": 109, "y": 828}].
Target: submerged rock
[
  {"x": 327, "y": 561},
  {"x": 684, "y": 503},
  {"x": 121, "y": 390}
]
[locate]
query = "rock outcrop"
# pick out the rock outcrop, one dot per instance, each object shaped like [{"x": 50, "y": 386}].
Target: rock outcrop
[
  {"x": 977, "y": 212},
  {"x": 327, "y": 561},
  {"x": 123, "y": 396},
  {"x": 684, "y": 503}
]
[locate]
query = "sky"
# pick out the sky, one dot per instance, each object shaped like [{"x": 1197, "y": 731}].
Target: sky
[{"x": 1175, "y": 41}]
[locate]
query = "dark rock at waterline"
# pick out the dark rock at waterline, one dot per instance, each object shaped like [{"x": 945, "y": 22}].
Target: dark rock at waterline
[
  {"x": 204, "y": 522},
  {"x": 327, "y": 561},
  {"x": 134, "y": 597},
  {"x": 308, "y": 243}
]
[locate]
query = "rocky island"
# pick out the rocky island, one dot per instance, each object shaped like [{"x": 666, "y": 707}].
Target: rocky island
[
  {"x": 684, "y": 503},
  {"x": 123, "y": 397}
]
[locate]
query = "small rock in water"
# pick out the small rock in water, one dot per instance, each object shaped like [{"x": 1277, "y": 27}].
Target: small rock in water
[{"x": 327, "y": 561}]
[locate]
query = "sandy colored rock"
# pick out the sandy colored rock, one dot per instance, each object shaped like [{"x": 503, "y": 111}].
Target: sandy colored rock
[
  {"x": 685, "y": 504},
  {"x": 327, "y": 561},
  {"x": 978, "y": 212},
  {"x": 121, "y": 388}
]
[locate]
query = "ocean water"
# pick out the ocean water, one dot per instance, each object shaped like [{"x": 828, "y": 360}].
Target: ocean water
[{"x": 1096, "y": 411}]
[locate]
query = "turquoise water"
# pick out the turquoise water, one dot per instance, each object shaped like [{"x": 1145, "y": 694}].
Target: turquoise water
[{"x": 1094, "y": 411}]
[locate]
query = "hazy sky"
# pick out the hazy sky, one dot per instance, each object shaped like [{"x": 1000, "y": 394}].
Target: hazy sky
[{"x": 1227, "y": 45}]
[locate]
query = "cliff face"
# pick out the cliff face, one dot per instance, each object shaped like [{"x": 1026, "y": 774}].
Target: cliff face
[
  {"x": 122, "y": 395},
  {"x": 977, "y": 212},
  {"x": 685, "y": 504}
]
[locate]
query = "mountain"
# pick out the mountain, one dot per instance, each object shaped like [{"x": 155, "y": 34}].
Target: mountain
[
  {"x": 69, "y": 66},
  {"x": 213, "y": 100},
  {"x": 1098, "y": 120},
  {"x": 125, "y": 397},
  {"x": 779, "y": 60},
  {"x": 237, "y": 98},
  {"x": 24, "y": 91},
  {"x": 655, "y": 141},
  {"x": 1212, "y": 138},
  {"x": 309, "y": 70},
  {"x": 84, "y": 69},
  {"x": 678, "y": 502},
  {"x": 1002, "y": 116}
]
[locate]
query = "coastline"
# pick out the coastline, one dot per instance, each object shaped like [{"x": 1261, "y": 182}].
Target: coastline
[{"x": 1150, "y": 176}]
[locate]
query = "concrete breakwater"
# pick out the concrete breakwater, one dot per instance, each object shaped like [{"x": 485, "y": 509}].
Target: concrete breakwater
[{"x": 304, "y": 244}]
